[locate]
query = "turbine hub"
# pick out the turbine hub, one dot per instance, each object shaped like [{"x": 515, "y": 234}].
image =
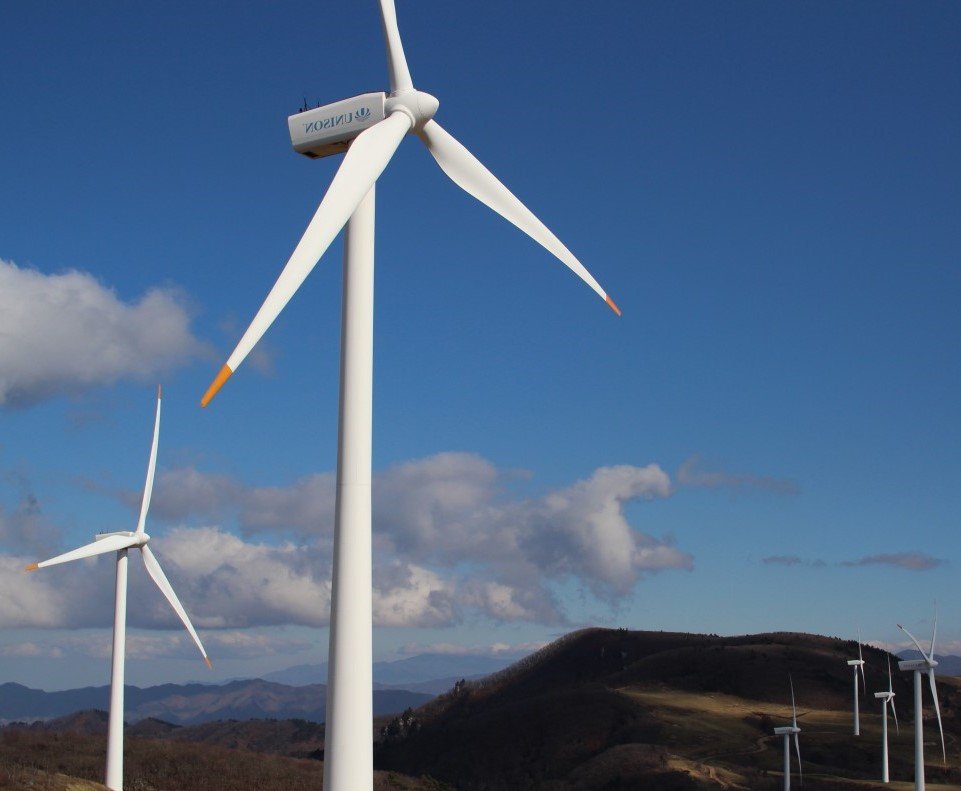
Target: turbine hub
[{"x": 416, "y": 105}]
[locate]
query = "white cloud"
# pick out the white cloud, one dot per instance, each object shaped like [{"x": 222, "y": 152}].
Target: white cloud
[
  {"x": 66, "y": 333},
  {"x": 451, "y": 541},
  {"x": 453, "y": 508},
  {"x": 456, "y": 649}
]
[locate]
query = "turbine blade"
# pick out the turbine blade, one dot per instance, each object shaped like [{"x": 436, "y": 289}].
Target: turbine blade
[
  {"x": 864, "y": 683},
  {"x": 102, "y": 547},
  {"x": 151, "y": 469},
  {"x": 890, "y": 680},
  {"x": 895, "y": 712},
  {"x": 937, "y": 709},
  {"x": 466, "y": 171},
  {"x": 797, "y": 749},
  {"x": 365, "y": 160},
  {"x": 913, "y": 639},
  {"x": 934, "y": 634},
  {"x": 860, "y": 655},
  {"x": 157, "y": 575},
  {"x": 793, "y": 707},
  {"x": 396, "y": 61}
]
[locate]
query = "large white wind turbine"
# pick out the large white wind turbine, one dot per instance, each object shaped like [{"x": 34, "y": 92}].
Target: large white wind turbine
[
  {"x": 368, "y": 128},
  {"x": 885, "y": 698},
  {"x": 858, "y": 664},
  {"x": 787, "y": 731},
  {"x": 120, "y": 542},
  {"x": 926, "y": 664}
]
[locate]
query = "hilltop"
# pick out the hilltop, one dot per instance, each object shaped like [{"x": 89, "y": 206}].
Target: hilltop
[{"x": 599, "y": 708}]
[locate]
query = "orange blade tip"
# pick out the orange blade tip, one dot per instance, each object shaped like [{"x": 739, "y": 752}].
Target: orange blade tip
[
  {"x": 33, "y": 567},
  {"x": 612, "y": 306},
  {"x": 215, "y": 386},
  {"x": 208, "y": 662}
]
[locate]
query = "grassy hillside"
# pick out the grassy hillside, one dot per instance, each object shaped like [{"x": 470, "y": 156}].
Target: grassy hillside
[
  {"x": 604, "y": 708},
  {"x": 47, "y": 761}
]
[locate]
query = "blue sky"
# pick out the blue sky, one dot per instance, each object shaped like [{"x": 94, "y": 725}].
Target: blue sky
[{"x": 769, "y": 191}]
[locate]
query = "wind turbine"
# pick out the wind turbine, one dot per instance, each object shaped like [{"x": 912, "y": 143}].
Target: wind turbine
[
  {"x": 927, "y": 663},
  {"x": 856, "y": 664},
  {"x": 369, "y": 128},
  {"x": 786, "y": 732},
  {"x": 120, "y": 542},
  {"x": 885, "y": 698}
]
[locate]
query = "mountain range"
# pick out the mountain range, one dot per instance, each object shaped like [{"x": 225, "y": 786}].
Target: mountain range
[{"x": 186, "y": 704}]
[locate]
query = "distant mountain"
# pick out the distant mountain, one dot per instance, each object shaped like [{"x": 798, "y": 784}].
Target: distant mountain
[
  {"x": 402, "y": 673},
  {"x": 193, "y": 703},
  {"x": 948, "y": 665}
]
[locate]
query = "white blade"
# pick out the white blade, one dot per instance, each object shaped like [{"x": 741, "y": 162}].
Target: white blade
[
  {"x": 864, "y": 683},
  {"x": 470, "y": 175},
  {"x": 793, "y": 707},
  {"x": 157, "y": 575},
  {"x": 151, "y": 469},
  {"x": 934, "y": 634},
  {"x": 891, "y": 690},
  {"x": 860, "y": 655},
  {"x": 396, "y": 62},
  {"x": 913, "y": 639},
  {"x": 365, "y": 160},
  {"x": 937, "y": 709},
  {"x": 102, "y": 547},
  {"x": 797, "y": 749}
]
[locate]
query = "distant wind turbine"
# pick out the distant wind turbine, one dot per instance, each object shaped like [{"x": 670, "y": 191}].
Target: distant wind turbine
[
  {"x": 787, "y": 731},
  {"x": 857, "y": 664},
  {"x": 369, "y": 128},
  {"x": 120, "y": 542},
  {"x": 885, "y": 698},
  {"x": 926, "y": 664}
]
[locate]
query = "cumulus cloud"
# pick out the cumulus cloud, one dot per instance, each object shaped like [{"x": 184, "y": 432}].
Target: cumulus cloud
[
  {"x": 693, "y": 473},
  {"x": 65, "y": 333},
  {"x": 912, "y": 561},
  {"x": 452, "y": 509},
  {"x": 451, "y": 540}
]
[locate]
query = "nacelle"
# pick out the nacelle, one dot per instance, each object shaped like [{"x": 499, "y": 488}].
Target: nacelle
[{"x": 329, "y": 129}]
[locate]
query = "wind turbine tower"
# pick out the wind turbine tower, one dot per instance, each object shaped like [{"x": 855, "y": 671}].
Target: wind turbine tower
[
  {"x": 885, "y": 698},
  {"x": 787, "y": 732},
  {"x": 858, "y": 664},
  {"x": 367, "y": 129},
  {"x": 120, "y": 542},
  {"x": 926, "y": 664}
]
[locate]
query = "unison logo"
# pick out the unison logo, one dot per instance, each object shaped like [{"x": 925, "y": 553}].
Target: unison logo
[{"x": 334, "y": 121}]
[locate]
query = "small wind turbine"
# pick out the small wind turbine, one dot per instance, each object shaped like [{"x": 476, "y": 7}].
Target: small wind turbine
[
  {"x": 368, "y": 128},
  {"x": 856, "y": 664},
  {"x": 885, "y": 698},
  {"x": 927, "y": 663},
  {"x": 120, "y": 542},
  {"x": 786, "y": 732}
]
